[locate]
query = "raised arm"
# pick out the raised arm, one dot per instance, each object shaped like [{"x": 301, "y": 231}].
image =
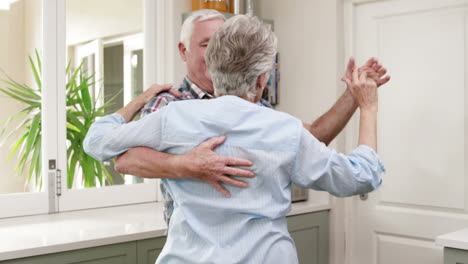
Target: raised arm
[
  {"x": 364, "y": 89},
  {"x": 330, "y": 124},
  {"x": 320, "y": 168}
]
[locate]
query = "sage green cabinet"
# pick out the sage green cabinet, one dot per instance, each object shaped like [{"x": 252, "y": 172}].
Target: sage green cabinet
[
  {"x": 311, "y": 235},
  {"x": 309, "y": 231},
  {"x": 148, "y": 250},
  {"x": 455, "y": 256},
  {"x": 124, "y": 253}
]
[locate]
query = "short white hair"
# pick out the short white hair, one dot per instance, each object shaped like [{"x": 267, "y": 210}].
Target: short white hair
[
  {"x": 200, "y": 15},
  {"x": 239, "y": 52}
]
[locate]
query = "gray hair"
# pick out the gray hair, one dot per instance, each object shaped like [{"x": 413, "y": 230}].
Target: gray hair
[
  {"x": 240, "y": 51},
  {"x": 200, "y": 15}
]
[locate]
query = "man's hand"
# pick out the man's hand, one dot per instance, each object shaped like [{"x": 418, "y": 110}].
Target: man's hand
[
  {"x": 204, "y": 164},
  {"x": 201, "y": 163},
  {"x": 129, "y": 111},
  {"x": 155, "y": 89},
  {"x": 373, "y": 66}
]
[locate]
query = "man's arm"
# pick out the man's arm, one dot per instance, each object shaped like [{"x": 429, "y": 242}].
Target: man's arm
[
  {"x": 201, "y": 163},
  {"x": 330, "y": 124}
]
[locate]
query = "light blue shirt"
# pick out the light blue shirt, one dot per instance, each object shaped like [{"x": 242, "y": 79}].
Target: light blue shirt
[{"x": 250, "y": 226}]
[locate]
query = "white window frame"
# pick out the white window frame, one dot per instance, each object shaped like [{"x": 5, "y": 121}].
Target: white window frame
[
  {"x": 54, "y": 122},
  {"x": 147, "y": 191},
  {"x": 130, "y": 43},
  {"x": 21, "y": 204}
]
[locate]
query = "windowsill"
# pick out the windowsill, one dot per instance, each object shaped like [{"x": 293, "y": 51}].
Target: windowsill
[{"x": 45, "y": 234}]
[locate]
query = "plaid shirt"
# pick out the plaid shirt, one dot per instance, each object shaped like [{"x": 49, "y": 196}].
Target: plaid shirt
[{"x": 189, "y": 91}]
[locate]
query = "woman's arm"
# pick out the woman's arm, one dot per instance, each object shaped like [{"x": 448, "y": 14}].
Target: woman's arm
[
  {"x": 320, "y": 168},
  {"x": 330, "y": 124},
  {"x": 111, "y": 136},
  {"x": 364, "y": 90}
]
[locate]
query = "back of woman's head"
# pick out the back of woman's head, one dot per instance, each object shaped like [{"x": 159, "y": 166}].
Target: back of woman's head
[{"x": 238, "y": 53}]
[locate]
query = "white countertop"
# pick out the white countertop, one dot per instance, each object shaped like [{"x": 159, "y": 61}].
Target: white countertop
[
  {"x": 45, "y": 234},
  {"x": 457, "y": 239}
]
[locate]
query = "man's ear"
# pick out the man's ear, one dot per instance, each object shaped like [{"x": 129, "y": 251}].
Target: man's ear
[{"x": 182, "y": 51}]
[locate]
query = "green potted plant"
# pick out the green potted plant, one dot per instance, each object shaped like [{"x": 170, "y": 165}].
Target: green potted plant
[{"x": 81, "y": 113}]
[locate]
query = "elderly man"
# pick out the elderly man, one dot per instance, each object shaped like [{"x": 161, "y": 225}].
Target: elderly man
[
  {"x": 202, "y": 163},
  {"x": 249, "y": 227}
]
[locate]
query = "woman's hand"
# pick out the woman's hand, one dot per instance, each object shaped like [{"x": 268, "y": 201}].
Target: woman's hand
[
  {"x": 364, "y": 88},
  {"x": 372, "y": 65}
]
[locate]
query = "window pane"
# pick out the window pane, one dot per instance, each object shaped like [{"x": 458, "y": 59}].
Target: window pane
[
  {"x": 20, "y": 97},
  {"x": 102, "y": 38}
]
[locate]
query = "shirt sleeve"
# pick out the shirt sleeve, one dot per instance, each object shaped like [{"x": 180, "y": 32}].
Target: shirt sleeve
[
  {"x": 323, "y": 169},
  {"x": 110, "y": 136},
  {"x": 157, "y": 103}
]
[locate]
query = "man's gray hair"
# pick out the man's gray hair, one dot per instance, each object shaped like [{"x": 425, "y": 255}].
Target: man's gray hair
[
  {"x": 200, "y": 15},
  {"x": 238, "y": 53}
]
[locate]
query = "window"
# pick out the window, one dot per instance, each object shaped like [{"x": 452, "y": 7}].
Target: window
[
  {"x": 103, "y": 39},
  {"x": 22, "y": 144},
  {"x": 105, "y": 42}
]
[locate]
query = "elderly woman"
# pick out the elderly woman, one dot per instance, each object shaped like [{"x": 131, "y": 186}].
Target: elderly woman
[{"x": 250, "y": 226}]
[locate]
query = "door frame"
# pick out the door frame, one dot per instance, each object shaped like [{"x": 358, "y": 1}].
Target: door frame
[{"x": 353, "y": 125}]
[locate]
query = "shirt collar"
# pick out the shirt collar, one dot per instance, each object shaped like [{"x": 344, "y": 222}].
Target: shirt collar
[{"x": 197, "y": 91}]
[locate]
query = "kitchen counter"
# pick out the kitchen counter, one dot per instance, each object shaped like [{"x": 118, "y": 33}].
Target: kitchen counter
[
  {"x": 45, "y": 234},
  {"x": 457, "y": 239}
]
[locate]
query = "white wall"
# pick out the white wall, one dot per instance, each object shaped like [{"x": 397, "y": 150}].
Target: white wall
[
  {"x": 90, "y": 19},
  {"x": 32, "y": 34},
  {"x": 173, "y": 36},
  {"x": 310, "y": 47},
  {"x": 307, "y": 44}
]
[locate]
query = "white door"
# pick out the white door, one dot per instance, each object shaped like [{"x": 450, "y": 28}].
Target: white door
[{"x": 422, "y": 118}]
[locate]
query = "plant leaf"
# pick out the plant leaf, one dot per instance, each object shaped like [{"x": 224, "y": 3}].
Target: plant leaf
[
  {"x": 20, "y": 99},
  {"x": 34, "y": 133},
  {"x": 37, "y": 76},
  {"x": 38, "y": 59}
]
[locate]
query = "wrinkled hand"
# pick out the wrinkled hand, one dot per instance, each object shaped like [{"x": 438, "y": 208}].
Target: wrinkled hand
[
  {"x": 364, "y": 89},
  {"x": 372, "y": 66},
  {"x": 155, "y": 89},
  {"x": 204, "y": 164},
  {"x": 129, "y": 111}
]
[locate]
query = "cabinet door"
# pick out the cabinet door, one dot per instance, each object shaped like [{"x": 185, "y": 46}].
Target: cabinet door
[
  {"x": 148, "y": 250},
  {"x": 124, "y": 253},
  {"x": 310, "y": 233},
  {"x": 455, "y": 256}
]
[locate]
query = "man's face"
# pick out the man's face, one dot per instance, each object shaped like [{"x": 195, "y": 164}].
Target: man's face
[{"x": 195, "y": 56}]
